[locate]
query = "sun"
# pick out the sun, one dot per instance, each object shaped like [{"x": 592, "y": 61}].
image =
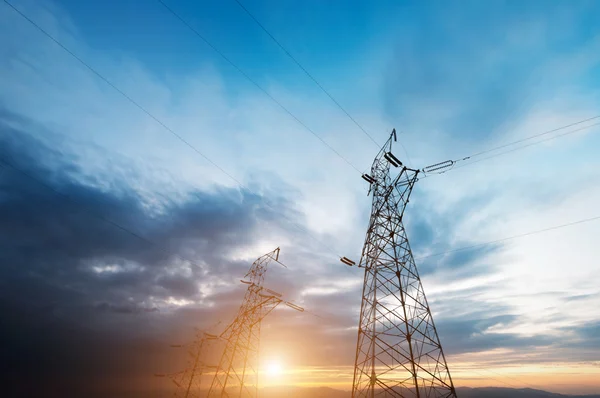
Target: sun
[{"x": 274, "y": 368}]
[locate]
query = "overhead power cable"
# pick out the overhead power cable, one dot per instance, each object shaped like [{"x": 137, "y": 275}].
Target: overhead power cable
[
  {"x": 521, "y": 382},
  {"x": 528, "y": 145},
  {"x": 492, "y": 378},
  {"x": 536, "y": 135},
  {"x": 443, "y": 167},
  {"x": 6, "y": 163},
  {"x": 187, "y": 143},
  {"x": 306, "y": 72},
  {"x": 167, "y": 128},
  {"x": 509, "y": 377},
  {"x": 264, "y": 91},
  {"x": 585, "y": 220}
]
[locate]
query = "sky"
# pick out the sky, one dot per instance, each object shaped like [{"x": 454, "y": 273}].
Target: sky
[{"x": 130, "y": 209}]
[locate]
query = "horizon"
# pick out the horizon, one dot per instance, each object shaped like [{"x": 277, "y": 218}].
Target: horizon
[{"x": 143, "y": 171}]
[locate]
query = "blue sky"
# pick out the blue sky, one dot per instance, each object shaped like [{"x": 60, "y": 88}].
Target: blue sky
[{"x": 453, "y": 78}]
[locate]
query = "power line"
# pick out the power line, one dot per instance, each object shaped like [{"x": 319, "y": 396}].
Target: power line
[
  {"x": 5, "y": 164},
  {"x": 241, "y": 71},
  {"x": 492, "y": 378},
  {"x": 452, "y": 163},
  {"x": 115, "y": 224},
  {"x": 187, "y": 143},
  {"x": 449, "y": 165},
  {"x": 305, "y": 71},
  {"x": 511, "y": 237},
  {"x": 179, "y": 137},
  {"x": 528, "y": 145},
  {"x": 535, "y": 136},
  {"x": 505, "y": 376},
  {"x": 509, "y": 377},
  {"x": 468, "y": 157},
  {"x": 137, "y": 105},
  {"x": 405, "y": 151},
  {"x": 285, "y": 109}
]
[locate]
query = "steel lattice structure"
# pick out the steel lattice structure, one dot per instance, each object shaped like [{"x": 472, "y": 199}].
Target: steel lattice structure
[
  {"x": 188, "y": 382},
  {"x": 398, "y": 352},
  {"x": 237, "y": 372}
]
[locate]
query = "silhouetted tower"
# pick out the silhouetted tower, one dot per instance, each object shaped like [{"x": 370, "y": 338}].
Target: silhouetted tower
[
  {"x": 398, "y": 352},
  {"x": 237, "y": 372},
  {"x": 188, "y": 381}
]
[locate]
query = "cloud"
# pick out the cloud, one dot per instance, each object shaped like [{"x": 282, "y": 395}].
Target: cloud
[
  {"x": 452, "y": 56},
  {"x": 459, "y": 80},
  {"x": 74, "y": 275},
  {"x": 582, "y": 340},
  {"x": 472, "y": 333}
]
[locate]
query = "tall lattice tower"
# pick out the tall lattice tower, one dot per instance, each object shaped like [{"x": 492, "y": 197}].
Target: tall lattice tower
[
  {"x": 237, "y": 372},
  {"x": 398, "y": 352}
]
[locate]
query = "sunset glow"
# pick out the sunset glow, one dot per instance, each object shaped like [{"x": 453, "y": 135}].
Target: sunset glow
[
  {"x": 274, "y": 369},
  {"x": 197, "y": 195}
]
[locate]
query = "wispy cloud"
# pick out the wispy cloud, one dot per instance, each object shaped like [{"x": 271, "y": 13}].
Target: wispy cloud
[{"x": 457, "y": 80}]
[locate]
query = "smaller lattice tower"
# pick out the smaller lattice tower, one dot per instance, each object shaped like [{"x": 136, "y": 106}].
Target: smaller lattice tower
[
  {"x": 188, "y": 381},
  {"x": 237, "y": 372}
]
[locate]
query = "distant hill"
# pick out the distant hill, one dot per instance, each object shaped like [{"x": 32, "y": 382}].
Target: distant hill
[
  {"x": 325, "y": 392},
  {"x": 498, "y": 392},
  {"x": 488, "y": 392}
]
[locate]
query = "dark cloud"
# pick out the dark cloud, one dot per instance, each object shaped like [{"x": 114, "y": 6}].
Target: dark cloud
[
  {"x": 433, "y": 241},
  {"x": 581, "y": 297},
  {"x": 470, "y": 334},
  {"x": 467, "y": 322},
  {"x": 460, "y": 264},
  {"x": 85, "y": 305},
  {"x": 81, "y": 297},
  {"x": 585, "y": 338}
]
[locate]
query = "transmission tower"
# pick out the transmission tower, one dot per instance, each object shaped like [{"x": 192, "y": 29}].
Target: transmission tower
[
  {"x": 237, "y": 372},
  {"x": 398, "y": 352},
  {"x": 188, "y": 381}
]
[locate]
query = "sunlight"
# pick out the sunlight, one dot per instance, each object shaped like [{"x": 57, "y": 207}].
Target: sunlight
[{"x": 274, "y": 369}]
